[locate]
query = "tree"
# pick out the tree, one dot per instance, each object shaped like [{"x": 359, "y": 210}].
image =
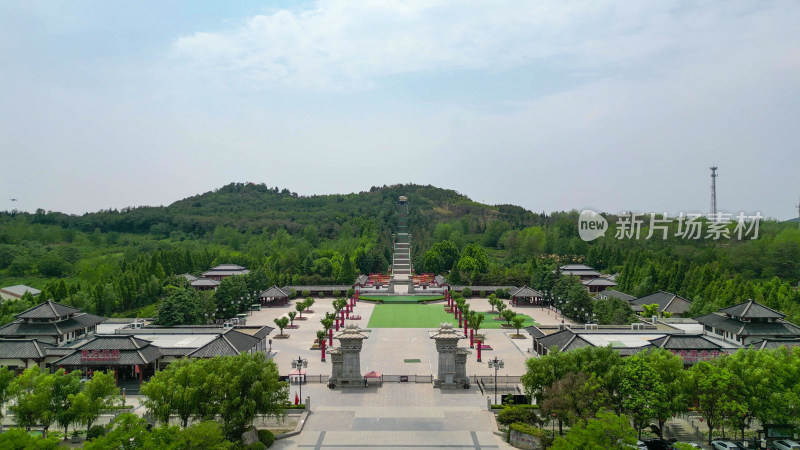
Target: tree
[
  {"x": 475, "y": 321},
  {"x": 180, "y": 307},
  {"x": 493, "y": 301},
  {"x": 128, "y": 431},
  {"x": 650, "y": 310},
  {"x": 717, "y": 392},
  {"x": 501, "y": 306},
  {"x": 251, "y": 386},
  {"x": 281, "y": 322},
  {"x": 613, "y": 311},
  {"x": 607, "y": 432},
  {"x": 6, "y": 378},
  {"x": 65, "y": 387},
  {"x": 508, "y": 315},
  {"x": 641, "y": 390},
  {"x": 576, "y": 396},
  {"x": 17, "y": 438},
  {"x": 309, "y": 303},
  {"x": 232, "y": 296},
  {"x": 99, "y": 393},
  {"x": 292, "y": 315},
  {"x": 31, "y": 392},
  {"x": 517, "y": 322},
  {"x": 300, "y": 306}
]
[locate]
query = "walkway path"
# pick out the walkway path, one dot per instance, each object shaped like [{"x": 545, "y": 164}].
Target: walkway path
[{"x": 374, "y": 418}]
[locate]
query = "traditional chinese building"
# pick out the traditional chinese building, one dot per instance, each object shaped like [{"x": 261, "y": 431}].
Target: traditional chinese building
[
  {"x": 223, "y": 271},
  {"x": 599, "y": 284},
  {"x": 51, "y": 323},
  {"x": 747, "y": 323},
  {"x": 581, "y": 271},
  {"x": 667, "y": 303},
  {"x": 205, "y": 284},
  {"x": 526, "y": 296}
]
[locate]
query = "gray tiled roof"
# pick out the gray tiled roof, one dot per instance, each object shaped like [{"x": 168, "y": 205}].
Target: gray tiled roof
[
  {"x": 666, "y": 301},
  {"x": 47, "y": 310},
  {"x": 331, "y": 287},
  {"x": 19, "y": 290},
  {"x": 599, "y": 282},
  {"x": 534, "y": 331},
  {"x": 176, "y": 351},
  {"x": 772, "y": 344},
  {"x": 685, "y": 342},
  {"x": 200, "y": 282},
  {"x": 229, "y": 344},
  {"x": 752, "y": 310},
  {"x": 558, "y": 339},
  {"x": 132, "y": 351},
  {"x": 76, "y": 322},
  {"x": 189, "y": 277},
  {"x": 440, "y": 280},
  {"x": 777, "y": 328},
  {"x": 476, "y": 289},
  {"x": 525, "y": 292},
  {"x": 576, "y": 267},
  {"x": 228, "y": 267},
  {"x": 617, "y": 294},
  {"x": 23, "y": 349},
  {"x": 274, "y": 292},
  {"x": 362, "y": 279}
]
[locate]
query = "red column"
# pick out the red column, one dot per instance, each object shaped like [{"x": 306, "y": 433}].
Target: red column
[
  {"x": 347, "y": 313},
  {"x": 330, "y": 337},
  {"x": 471, "y": 338},
  {"x": 337, "y": 324},
  {"x": 479, "y": 351},
  {"x": 465, "y": 326},
  {"x": 322, "y": 345}
]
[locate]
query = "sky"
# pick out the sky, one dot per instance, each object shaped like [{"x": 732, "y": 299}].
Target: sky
[{"x": 550, "y": 105}]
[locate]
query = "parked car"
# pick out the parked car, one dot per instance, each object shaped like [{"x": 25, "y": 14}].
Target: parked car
[
  {"x": 786, "y": 444},
  {"x": 641, "y": 445},
  {"x": 658, "y": 444},
  {"x": 724, "y": 445}
]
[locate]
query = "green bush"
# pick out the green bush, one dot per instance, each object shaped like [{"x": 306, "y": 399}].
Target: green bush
[
  {"x": 337, "y": 293},
  {"x": 514, "y": 414},
  {"x": 95, "y": 432},
  {"x": 266, "y": 437},
  {"x": 306, "y": 293},
  {"x": 527, "y": 429},
  {"x": 482, "y": 294},
  {"x": 466, "y": 292},
  {"x": 502, "y": 293},
  {"x": 256, "y": 446}
]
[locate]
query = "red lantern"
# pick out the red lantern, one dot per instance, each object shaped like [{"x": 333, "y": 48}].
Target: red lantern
[{"x": 701, "y": 419}]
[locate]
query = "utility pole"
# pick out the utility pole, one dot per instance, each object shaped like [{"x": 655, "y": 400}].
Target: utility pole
[
  {"x": 713, "y": 193},
  {"x": 798, "y": 213}
]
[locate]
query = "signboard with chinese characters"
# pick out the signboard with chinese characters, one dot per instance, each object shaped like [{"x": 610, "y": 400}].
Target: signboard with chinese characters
[{"x": 99, "y": 355}]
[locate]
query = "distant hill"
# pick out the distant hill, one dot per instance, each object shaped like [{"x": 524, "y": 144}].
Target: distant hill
[{"x": 255, "y": 207}]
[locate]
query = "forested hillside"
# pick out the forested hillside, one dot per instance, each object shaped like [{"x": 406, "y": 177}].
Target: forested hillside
[{"x": 120, "y": 261}]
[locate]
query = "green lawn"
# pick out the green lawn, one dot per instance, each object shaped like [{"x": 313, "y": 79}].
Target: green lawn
[
  {"x": 422, "y": 316},
  {"x": 402, "y": 298}
]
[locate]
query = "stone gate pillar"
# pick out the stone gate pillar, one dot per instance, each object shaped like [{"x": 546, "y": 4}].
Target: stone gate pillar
[
  {"x": 452, "y": 359},
  {"x": 346, "y": 359}
]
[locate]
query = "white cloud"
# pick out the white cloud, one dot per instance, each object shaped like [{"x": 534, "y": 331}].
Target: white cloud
[{"x": 348, "y": 44}]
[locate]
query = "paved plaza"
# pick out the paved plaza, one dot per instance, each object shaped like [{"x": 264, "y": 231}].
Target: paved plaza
[{"x": 395, "y": 415}]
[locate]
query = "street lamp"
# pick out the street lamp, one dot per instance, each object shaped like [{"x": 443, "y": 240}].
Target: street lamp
[
  {"x": 554, "y": 424},
  {"x": 300, "y": 364},
  {"x": 496, "y": 364}
]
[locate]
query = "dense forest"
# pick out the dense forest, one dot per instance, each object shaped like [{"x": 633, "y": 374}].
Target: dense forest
[{"x": 123, "y": 262}]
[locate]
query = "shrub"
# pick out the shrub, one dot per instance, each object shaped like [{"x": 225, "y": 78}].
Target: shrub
[
  {"x": 502, "y": 293},
  {"x": 351, "y": 292},
  {"x": 337, "y": 293},
  {"x": 306, "y": 293},
  {"x": 95, "y": 432},
  {"x": 256, "y": 446},
  {"x": 467, "y": 292},
  {"x": 513, "y": 414},
  {"x": 266, "y": 437},
  {"x": 321, "y": 294},
  {"x": 482, "y": 294}
]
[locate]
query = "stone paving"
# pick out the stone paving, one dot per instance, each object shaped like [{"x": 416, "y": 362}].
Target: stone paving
[{"x": 394, "y": 415}]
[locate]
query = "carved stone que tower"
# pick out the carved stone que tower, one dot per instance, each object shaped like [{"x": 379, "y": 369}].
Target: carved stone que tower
[
  {"x": 346, "y": 359},
  {"x": 452, "y": 359}
]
